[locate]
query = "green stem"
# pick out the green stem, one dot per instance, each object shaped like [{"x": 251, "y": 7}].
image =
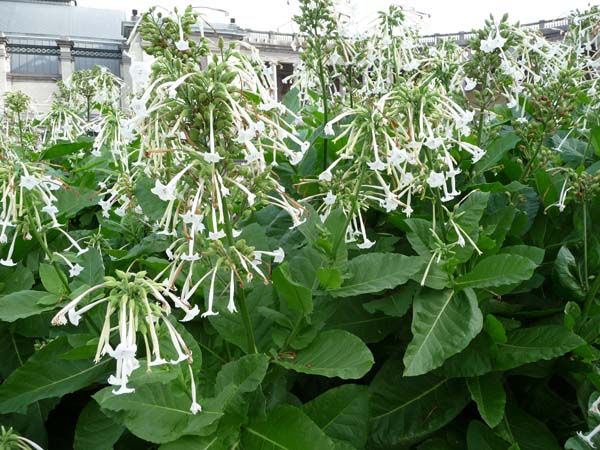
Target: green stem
[
  {"x": 293, "y": 333},
  {"x": 530, "y": 162},
  {"x": 585, "y": 246},
  {"x": 243, "y": 308},
  {"x": 324, "y": 99},
  {"x": 341, "y": 236},
  {"x": 351, "y": 89},
  {"x": 590, "y": 296},
  {"x": 440, "y": 216},
  {"x": 241, "y": 297},
  {"x": 20, "y": 123},
  {"x": 481, "y": 111}
]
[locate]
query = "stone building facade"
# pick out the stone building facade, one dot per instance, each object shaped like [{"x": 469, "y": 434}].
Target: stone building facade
[{"x": 43, "y": 41}]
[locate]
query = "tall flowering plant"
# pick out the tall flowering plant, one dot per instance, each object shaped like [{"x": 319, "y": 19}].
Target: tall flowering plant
[{"x": 401, "y": 253}]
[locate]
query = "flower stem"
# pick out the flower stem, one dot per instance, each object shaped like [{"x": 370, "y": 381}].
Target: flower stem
[
  {"x": 324, "y": 98},
  {"x": 241, "y": 296},
  {"x": 585, "y": 246},
  {"x": 293, "y": 333},
  {"x": 243, "y": 308},
  {"x": 355, "y": 194}
]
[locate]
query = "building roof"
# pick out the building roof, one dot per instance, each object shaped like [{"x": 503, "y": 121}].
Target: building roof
[{"x": 52, "y": 20}]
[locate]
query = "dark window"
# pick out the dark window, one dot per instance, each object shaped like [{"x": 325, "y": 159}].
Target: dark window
[
  {"x": 90, "y": 54},
  {"x": 34, "y": 57},
  {"x": 87, "y": 62}
]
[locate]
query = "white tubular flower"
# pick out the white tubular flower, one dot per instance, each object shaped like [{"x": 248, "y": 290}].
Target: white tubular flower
[
  {"x": 211, "y": 294},
  {"x": 560, "y": 204},
  {"x": 492, "y": 43},
  {"x": 436, "y": 179},
  {"x": 74, "y": 269},
  {"x": 178, "y": 344},
  {"x": 59, "y": 318},
  {"x": 168, "y": 192},
  {"x": 195, "y": 408},
  {"x": 30, "y": 443},
  {"x": 8, "y": 262},
  {"x": 278, "y": 255},
  {"x": 469, "y": 84},
  {"x": 397, "y": 157},
  {"x": 182, "y": 45},
  {"x": 29, "y": 182},
  {"x": 231, "y": 304},
  {"x": 589, "y": 438},
  {"x": 74, "y": 243},
  {"x": 366, "y": 242},
  {"x": 330, "y": 199}
]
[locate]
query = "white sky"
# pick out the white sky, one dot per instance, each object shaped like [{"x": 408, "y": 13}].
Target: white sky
[{"x": 446, "y": 15}]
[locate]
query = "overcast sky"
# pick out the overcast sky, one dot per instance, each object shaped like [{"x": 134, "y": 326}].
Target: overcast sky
[{"x": 445, "y": 15}]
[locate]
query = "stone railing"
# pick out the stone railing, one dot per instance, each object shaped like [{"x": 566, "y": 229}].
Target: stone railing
[
  {"x": 547, "y": 27},
  {"x": 268, "y": 38}
]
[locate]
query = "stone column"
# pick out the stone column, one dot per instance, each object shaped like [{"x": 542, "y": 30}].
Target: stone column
[
  {"x": 125, "y": 74},
  {"x": 3, "y": 64},
  {"x": 67, "y": 66},
  {"x": 273, "y": 66}
]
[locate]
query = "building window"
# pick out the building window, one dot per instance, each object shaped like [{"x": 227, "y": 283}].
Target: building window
[
  {"x": 90, "y": 54},
  {"x": 34, "y": 57},
  {"x": 87, "y": 62}
]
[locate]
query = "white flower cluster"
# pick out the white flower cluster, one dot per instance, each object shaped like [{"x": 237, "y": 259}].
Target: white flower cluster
[
  {"x": 395, "y": 153},
  {"x": 27, "y": 202},
  {"x": 141, "y": 306},
  {"x": 206, "y": 184}
]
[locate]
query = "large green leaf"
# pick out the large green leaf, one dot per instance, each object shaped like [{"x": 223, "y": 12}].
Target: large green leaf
[
  {"x": 285, "y": 428},
  {"x": 496, "y": 150},
  {"x": 443, "y": 324},
  {"x": 239, "y": 377},
  {"x": 536, "y": 254},
  {"x": 420, "y": 236},
  {"x": 342, "y": 413},
  {"x": 475, "y": 360},
  {"x": 396, "y": 304},
  {"x": 46, "y": 375},
  {"x": 526, "y": 345},
  {"x": 487, "y": 391},
  {"x": 212, "y": 442},
  {"x": 375, "y": 272},
  {"x": 231, "y": 326},
  {"x": 66, "y": 148},
  {"x": 53, "y": 279},
  {"x": 407, "y": 409},
  {"x": 565, "y": 268},
  {"x": 334, "y": 353},
  {"x": 15, "y": 349},
  {"x": 297, "y": 297},
  {"x": 526, "y": 431},
  {"x": 469, "y": 213},
  {"x": 351, "y": 315},
  {"x": 246, "y": 373},
  {"x": 159, "y": 412},
  {"x": 95, "y": 431},
  {"x": 20, "y": 279},
  {"x": 19, "y": 305},
  {"x": 152, "y": 206},
  {"x": 93, "y": 268},
  {"x": 498, "y": 270},
  {"x": 480, "y": 437}
]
